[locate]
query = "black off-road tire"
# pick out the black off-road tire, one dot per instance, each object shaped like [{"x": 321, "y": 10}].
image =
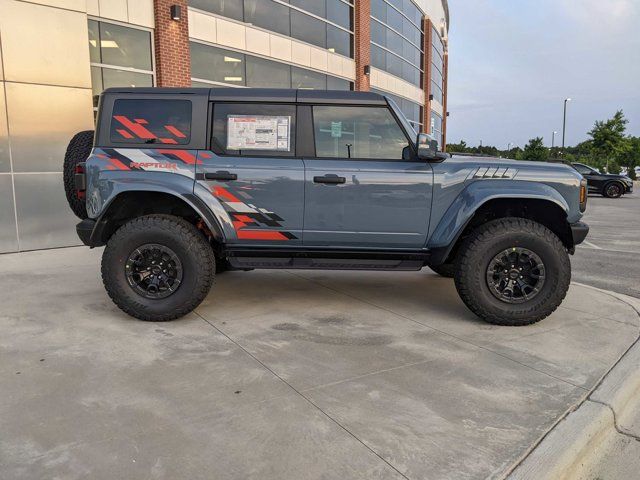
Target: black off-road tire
[
  {"x": 189, "y": 245},
  {"x": 445, "y": 270},
  {"x": 613, "y": 190},
  {"x": 487, "y": 241},
  {"x": 78, "y": 150}
]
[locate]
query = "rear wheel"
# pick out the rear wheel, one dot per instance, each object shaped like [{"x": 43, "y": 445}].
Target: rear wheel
[
  {"x": 158, "y": 267},
  {"x": 513, "y": 271},
  {"x": 78, "y": 150},
  {"x": 612, "y": 190}
]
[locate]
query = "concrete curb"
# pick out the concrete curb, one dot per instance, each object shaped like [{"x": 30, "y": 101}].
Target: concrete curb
[{"x": 578, "y": 441}]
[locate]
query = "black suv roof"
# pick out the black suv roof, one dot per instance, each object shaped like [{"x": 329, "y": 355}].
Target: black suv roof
[{"x": 263, "y": 94}]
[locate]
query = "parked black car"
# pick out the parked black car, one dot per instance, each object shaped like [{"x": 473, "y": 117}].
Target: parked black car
[{"x": 606, "y": 184}]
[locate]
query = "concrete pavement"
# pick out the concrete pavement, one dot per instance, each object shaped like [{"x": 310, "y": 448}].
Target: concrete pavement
[
  {"x": 601, "y": 438},
  {"x": 610, "y": 258},
  {"x": 284, "y": 375}
]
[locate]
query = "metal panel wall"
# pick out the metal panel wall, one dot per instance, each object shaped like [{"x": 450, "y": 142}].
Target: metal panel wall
[
  {"x": 8, "y": 236},
  {"x": 5, "y": 164},
  {"x": 44, "y": 218},
  {"x": 45, "y": 99},
  {"x": 42, "y": 120},
  {"x": 44, "y": 45}
]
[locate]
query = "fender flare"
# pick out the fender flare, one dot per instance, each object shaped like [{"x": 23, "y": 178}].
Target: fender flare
[
  {"x": 464, "y": 207},
  {"x": 183, "y": 190}
]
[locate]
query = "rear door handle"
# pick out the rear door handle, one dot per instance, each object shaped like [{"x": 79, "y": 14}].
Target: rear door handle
[
  {"x": 330, "y": 179},
  {"x": 220, "y": 176}
]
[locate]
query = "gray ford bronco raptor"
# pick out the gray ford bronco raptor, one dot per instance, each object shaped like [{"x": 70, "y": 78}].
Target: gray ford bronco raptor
[{"x": 182, "y": 184}]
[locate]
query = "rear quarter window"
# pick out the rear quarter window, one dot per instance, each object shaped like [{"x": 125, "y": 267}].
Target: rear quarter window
[{"x": 151, "y": 121}]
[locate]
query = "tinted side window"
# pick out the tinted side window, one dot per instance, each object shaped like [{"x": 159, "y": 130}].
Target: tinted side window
[
  {"x": 358, "y": 132},
  {"x": 151, "y": 121},
  {"x": 582, "y": 170},
  {"x": 254, "y": 129}
]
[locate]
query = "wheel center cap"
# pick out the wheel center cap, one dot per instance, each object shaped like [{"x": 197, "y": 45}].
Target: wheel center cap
[
  {"x": 513, "y": 274},
  {"x": 155, "y": 270}
]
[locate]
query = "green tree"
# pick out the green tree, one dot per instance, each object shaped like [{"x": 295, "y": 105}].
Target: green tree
[
  {"x": 610, "y": 147},
  {"x": 457, "y": 147},
  {"x": 535, "y": 150},
  {"x": 633, "y": 157}
]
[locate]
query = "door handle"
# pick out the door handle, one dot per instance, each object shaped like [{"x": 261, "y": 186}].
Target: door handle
[
  {"x": 330, "y": 179},
  {"x": 220, "y": 176}
]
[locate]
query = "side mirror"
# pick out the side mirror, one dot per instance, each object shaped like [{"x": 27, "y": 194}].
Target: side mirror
[{"x": 428, "y": 148}]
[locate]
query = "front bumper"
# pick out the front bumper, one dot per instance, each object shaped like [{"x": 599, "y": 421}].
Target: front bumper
[
  {"x": 579, "y": 231},
  {"x": 628, "y": 188}
]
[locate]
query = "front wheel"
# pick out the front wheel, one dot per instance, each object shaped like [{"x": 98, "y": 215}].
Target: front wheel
[
  {"x": 613, "y": 190},
  {"x": 157, "y": 267},
  {"x": 513, "y": 271}
]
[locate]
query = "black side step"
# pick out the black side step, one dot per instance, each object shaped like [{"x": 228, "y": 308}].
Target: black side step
[{"x": 243, "y": 258}]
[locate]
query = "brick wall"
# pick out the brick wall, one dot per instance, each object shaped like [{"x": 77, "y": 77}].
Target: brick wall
[
  {"x": 426, "y": 77},
  {"x": 362, "y": 42},
  {"x": 171, "y": 38}
]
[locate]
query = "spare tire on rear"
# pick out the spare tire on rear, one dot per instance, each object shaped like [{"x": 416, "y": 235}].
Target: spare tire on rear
[{"x": 78, "y": 150}]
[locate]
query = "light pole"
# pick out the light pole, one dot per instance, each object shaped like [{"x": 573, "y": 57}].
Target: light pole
[
  {"x": 553, "y": 139},
  {"x": 564, "y": 121}
]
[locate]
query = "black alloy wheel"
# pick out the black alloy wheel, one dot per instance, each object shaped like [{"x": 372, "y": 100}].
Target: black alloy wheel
[
  {"x": 515, "y": 275},
  {"x": 153, "y": 271},
  {"x": 613, "y": 190}
]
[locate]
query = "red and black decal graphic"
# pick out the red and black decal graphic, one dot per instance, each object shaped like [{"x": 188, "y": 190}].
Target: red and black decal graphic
[
  {"x": 138, "y": 128},
  {"x": 163, "y": 159},
  {"x": 246, "y": 216}
]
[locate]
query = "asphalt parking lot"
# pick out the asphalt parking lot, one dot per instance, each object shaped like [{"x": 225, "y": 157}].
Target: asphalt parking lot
[
  {"x": 292, "y": 375},
  {"x": 610, "y": 258}
]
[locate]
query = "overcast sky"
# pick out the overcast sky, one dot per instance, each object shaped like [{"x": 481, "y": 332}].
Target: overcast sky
[{"x": 512, "y": 63}]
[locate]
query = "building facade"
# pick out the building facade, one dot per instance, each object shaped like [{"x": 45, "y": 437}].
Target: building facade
[{"x": 56, "y": 56}]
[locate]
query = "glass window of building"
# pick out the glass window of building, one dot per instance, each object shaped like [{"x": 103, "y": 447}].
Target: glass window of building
[
  {"x": 410, "y": 109},
  {"x": 307, "y": 79},
  {"x": 324, "y": 23},
  {"x": 268, "y": 15},
  {"x": 396, "y": 39},
  {"x": 211, "y": 66},
  {"x": 226, "y": 8},
  {"x": 217, "y": 65},
  {"x": 437, "y": 66},
  {"x": 267, "y": 74},
  {"x": 358, "y": 132},
  {"x": 120, "y": 57},
  {"x": 436, "y": 127}
]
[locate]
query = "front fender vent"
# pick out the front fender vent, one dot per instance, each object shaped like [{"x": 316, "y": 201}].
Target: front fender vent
[{"x": 495, "y": 172}]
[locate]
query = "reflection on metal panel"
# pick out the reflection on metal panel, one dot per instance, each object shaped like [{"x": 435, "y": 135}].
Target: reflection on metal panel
[
  {"x": 44, "y": 217},
  {"x": 8, "y": 237},
  {"x": 45, "y": 45},
  {"x": 5, "y": 165},
  {"x": 79, "y": 5},
  {"x": 42, "y": 120}
]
